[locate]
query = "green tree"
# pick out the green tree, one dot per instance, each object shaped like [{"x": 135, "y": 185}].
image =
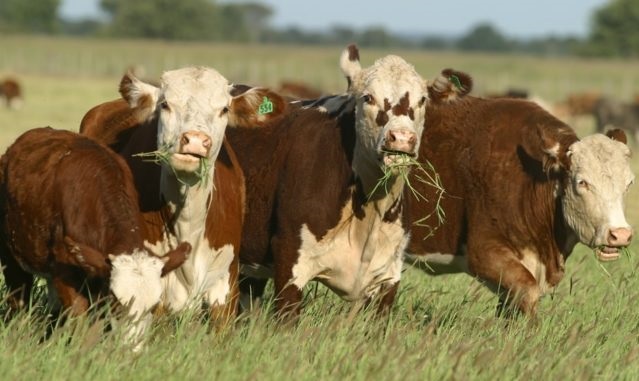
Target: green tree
[
  {"x": 255, "y": 18},
  {"x": 484, "y": 37},
  {"x": 615, "y": 30},
  {"x": 167, "y": 19},
  {"x": 33, "y": 16}
]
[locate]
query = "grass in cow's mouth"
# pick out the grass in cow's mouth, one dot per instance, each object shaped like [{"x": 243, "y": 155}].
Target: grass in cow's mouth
[
  {"x": 162, "y": 156},
  {"x": 424, "y": 173}
]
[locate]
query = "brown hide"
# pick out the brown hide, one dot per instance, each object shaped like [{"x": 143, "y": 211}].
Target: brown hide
[
  {"x": 283, "y": 183},
  {"x": 109, "y": 122},
  {"x": 54, "y": 184},
  {"x": 298, "y": 90},
  {"x": 493, "y": 158}
]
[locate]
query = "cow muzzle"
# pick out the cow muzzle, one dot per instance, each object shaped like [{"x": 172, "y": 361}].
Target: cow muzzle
[
  {"x": 193, "y": 146},
  {"x": 617, "y": 239},
  {"x": 398, "y": 143}
]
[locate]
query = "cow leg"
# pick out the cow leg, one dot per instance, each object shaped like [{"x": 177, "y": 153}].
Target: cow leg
[
  {"x": 251, "y": 292},
  {"x": 72, "y": 300},
  {"x": 385, "y": 298},
  {"x": 19, "y": 282},
  {"x": 288, "y": 296},
  {"x": 502, "y": 270},
  {"x": 223, "y": 315}
]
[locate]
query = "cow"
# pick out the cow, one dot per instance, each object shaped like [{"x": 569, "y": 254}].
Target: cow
[
  {"x": 611, "y": 113},
  {"x": 11, "y": 90},
  {"x": 315, "y": 210},
  {"x": 521, "y": 190},
  {"x": 69, "y": 213},
  {"x": 582, "y": 103},
  {"x": 197, "y": 194}
]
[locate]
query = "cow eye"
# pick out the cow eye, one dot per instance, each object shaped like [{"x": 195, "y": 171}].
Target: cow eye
[
  {"x": 367, "y": 98},
  {"x": 583, "y": 184},
  {"x": 422, "y": 101},
  {"x": 225, "y": 110},
  {"x": 165, "y": 105}
]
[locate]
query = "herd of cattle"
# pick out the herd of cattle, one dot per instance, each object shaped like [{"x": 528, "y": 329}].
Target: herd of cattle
[{"x": 209, "y": 189}]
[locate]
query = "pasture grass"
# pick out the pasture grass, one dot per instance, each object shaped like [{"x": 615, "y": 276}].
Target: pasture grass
[{"x": 440, "y": 327}]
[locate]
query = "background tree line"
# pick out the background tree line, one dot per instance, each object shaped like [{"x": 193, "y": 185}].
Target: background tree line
[{"x": 614, "y": 28}]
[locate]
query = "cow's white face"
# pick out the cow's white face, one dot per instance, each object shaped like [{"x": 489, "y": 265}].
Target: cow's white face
[
  {"x": 193, "y": 114},
  {"x": 136, "y": 283},
  {"x": 194, "y": 106},
  {"x": 390, "y": 104},
  {"x": 593, "y": 199}
]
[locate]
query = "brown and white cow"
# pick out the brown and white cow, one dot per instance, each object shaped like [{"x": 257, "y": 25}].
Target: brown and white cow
[
  {"x": 314, "y": 210},
  {"x": 197, "y": 193},
  {"x": 69, "y": 213},
  {"x": 521, "y": 191}
]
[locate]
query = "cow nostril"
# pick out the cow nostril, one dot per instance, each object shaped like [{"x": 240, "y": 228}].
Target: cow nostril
[
  {"x": 206, "y": 143},
  {"x": 619, "y": 236},
  {"x": 185, "y": 140},
  {"x": 391, "y": 137}
]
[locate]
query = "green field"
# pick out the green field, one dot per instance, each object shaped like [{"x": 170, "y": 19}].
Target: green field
[{"x": 440, "y": 328}]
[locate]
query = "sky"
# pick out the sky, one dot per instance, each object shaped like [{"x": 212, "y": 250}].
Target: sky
[{"x": 517, "y": 18}]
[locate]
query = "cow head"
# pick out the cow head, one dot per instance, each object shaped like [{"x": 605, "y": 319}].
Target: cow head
[
  {"x": 193, "y": 106},
  {"x": 390, "y": 100},
  {"x": 599, "y": 176},
  {"x": 134, "y": 278},
  {"x": 595, "y": 176}
]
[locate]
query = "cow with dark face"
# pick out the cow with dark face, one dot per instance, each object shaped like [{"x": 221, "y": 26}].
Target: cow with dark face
[
  {"x": 521, "y": 191},
  {"x": 69, "y": 213},
  {"x": 197, "y": 192},
  {"x": 314, "y": 207}
]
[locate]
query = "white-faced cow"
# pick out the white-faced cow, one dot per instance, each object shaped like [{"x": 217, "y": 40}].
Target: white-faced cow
[
  {"x": 197, "y": 193},
  {"x": 69, "y": 213},
  {"x": 521, "y": 191},
  {"x": 314, "y": 210}
]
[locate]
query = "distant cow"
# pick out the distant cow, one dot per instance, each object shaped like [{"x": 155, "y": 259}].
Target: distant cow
[
  {"x": 521, "y": 191},
  {"x": 68, "y": 212},
  {"x": 315, "y": 210},
  {"x": 611, "y": 113},
  {"x": 197, "y": 193},
  {"x": 11, "y": 91},
  {"x": 582, "y": 103}
]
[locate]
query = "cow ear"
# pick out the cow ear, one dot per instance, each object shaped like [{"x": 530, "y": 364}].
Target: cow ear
[
  {"x": 549, "y": 145},
  {"x": 449, "y": 86},
  {"x": 175, "y": 258},
  {"x": 256, "y": 107},
  {"x": 349, "y": 63},
  {"x": 93, "y": 262},
  {"x": 140, "y": 96},
  {"x": 618, "y": 135}
]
